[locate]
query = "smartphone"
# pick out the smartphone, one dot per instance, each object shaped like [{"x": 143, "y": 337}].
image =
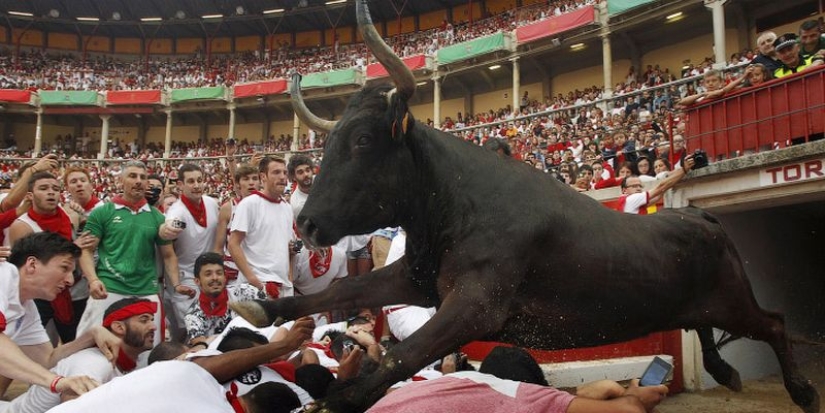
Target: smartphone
[{"x": 656, "y": 373}]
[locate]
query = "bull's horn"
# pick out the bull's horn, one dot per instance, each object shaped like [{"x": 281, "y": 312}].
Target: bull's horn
[
  {"x": 303, "y": 111},
  {"x": 401, "y": 74}
]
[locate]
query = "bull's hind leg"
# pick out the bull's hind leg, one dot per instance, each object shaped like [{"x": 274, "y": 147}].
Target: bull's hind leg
[
  {"x": 769, "y": 327},
  {"x": 719, "y": 369}
]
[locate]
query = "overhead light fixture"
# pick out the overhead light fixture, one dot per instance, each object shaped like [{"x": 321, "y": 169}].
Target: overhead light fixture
[
  {"x": 151, "y": 19},
  {"x": 424, "y": 83},
  {"x": 20, "y": 13},
  {"x": 494, "y": 67},
  {"x": 330, "y": 3},
  {"x": 54, "y": 13},
  {"x": 212, "y": 16},
  {"x": 88, "y": 19},
  {"x": 180, "y": 14},
  {"x": 577, "y": 46},
  {"x": 239, "y": 10},
  {"x": 675, "y": 17},
  {"x": 273, "y": 11},
  {"x": 116, "y": 16}
]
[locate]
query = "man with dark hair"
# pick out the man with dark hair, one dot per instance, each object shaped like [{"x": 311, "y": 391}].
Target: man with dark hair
[
  {"x": 499, "y": 146},
  {"x": 301, "y": 170},
  {"x": 246, "y": 180},
  {"x": 635, "y": 199},
  {"x": 240, "y": 338},
  {"x": 811, "y": 38},
  {"x": 128, "y": 230},
  {"x": 261, "y": 240},
  {"x": 210, "y": 314},
  {"x": 40, "y": 266},
  {"x": 154, "y": 188},
  {"x": 199, "y": 215},
  {"x": 12, "y": 205},
  {"x": 157, "y": 388},
  {"x": 47, "y": 215},
  {"x": 524, "y": 390},
  {"x": 130, "y": 320}
]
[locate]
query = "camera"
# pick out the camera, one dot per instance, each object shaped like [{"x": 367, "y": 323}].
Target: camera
[
  {"x": 177, "y": 223},
  {"x": 349, "y": 345},
  {"x": 297, "y": 246},
  {"x": 700, "y": 159}
]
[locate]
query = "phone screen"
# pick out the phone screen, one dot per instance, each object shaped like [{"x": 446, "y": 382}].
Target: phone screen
[{"x": 656, "y": 373}]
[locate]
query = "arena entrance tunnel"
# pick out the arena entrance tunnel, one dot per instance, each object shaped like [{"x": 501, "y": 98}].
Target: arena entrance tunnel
[{"x": 773, "y": 206}]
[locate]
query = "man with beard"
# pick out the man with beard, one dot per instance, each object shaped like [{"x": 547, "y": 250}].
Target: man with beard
[
  {"x": 301, "y": 170},
  {"x": 210, "y": 314},
  {"x": 128, "y": 229},
  {"x": 199, "y": 215},
  {"x": 47, "y": 215},
  {"x": 131, "y": 320},
  {"x": 246, "y": 180}
]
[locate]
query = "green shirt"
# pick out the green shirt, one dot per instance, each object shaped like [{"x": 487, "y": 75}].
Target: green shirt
[{"x": 126, "y": 263}]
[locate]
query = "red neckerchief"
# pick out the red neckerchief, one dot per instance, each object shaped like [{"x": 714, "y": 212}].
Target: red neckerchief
[
  {"x": 214, "y": 307},
  {"x": 327, "y": 351},
  {"x": 135, "y": 207},
  {"x": 124, "y": 363},
  {"x": 198, "y": 211},
  {"x": 91, "y": 204},
  {"x": 264, "y": 196},
  {"x": 284, "y": 368},
  {"x": 319, "y": 262},
  {"x": 232, "y": 398},
  {"x": 59, "y": 222}
]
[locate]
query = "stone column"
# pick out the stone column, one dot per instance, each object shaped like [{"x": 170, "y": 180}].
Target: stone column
[
  {"x": 516, "y": 85},
  {"x": 38, "y": 134},
  {"x": 717, "y": 7},
  {"x": 167, "y": 144},
  {"x": 436, "y": 101},
  {"x": 104, "y": 136},
  {"x": 231, "y": 133}
]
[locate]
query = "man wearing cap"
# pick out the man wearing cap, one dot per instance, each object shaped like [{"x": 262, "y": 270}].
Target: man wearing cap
[
  {"x": 41, "y": 266},
  {"x": 790, "y": 56},
  {"x": 131, "y": 320}
]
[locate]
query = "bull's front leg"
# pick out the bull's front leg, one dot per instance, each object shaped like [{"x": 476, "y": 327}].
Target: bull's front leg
[
  {"x": 386, "y": 286},
  {"x": 468, "y": 313}
]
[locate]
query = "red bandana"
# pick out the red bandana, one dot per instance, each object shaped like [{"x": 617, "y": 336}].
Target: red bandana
[
  {"x": 327, "y": 351},
  {"x": 214, "y": 307},
  {"x": 264, "y": 196},
  {"x": 91, "y": 204},
  {"x": 2, "y": 323},
  {"x": 319, "y": 262},
  {"x": 59, "y": 222},
  {"x": 198, "y": 211},
  {"x": 119, "y": 200},
  {"x": 232, "y": 398},
  {"x": 124, "y": 363},
  {"x": 141, "y": 307}
]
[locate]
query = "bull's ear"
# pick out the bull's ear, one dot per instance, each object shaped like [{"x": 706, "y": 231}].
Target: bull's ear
[{"x": 401, "y": 120}]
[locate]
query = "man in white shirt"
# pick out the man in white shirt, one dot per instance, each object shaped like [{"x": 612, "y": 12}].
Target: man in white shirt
[
  {"x": 635, "y": 199},
  {"x": 199, "y": 213},
  {"x": 41, "y": 266},
  {"x": 301, "y": 169},
  {"x": 262, "y": 233}
]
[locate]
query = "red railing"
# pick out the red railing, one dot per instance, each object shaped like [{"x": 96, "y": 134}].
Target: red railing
[{"x": 776, "y": 114}]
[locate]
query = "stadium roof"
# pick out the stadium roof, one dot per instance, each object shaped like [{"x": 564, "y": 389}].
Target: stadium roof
[{"x": 184, "y": 18}]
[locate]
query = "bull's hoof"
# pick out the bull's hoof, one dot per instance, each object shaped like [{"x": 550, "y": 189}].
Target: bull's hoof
[
  {"x": 734, "y": 382},
  {"x": 255, "y": 313},
  {"x": 805, "y": 396}
]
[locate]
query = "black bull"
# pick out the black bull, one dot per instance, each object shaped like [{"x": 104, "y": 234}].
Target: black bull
[{"x": 510, "y": 254}]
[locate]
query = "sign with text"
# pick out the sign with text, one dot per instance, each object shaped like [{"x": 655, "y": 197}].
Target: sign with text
[{"x": 794, "y": 172}]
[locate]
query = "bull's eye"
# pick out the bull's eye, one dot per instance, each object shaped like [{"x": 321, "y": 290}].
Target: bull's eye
[{"x": 363, "y": 141}]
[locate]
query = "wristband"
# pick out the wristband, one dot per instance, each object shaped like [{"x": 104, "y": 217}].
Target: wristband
[{"x": 53, "y": 386}]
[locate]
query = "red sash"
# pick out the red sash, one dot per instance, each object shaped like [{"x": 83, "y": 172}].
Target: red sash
[
  {"x": 124, "y": 363},
  {"x": 91, "y": 204},
  {"x": 264, "y": 196},
  {"x": 214, "y": 307},
  {"x": 319, "y": 262},
  {"x": 119, "y": 200},
  {"x": 198, "y": 211}
]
